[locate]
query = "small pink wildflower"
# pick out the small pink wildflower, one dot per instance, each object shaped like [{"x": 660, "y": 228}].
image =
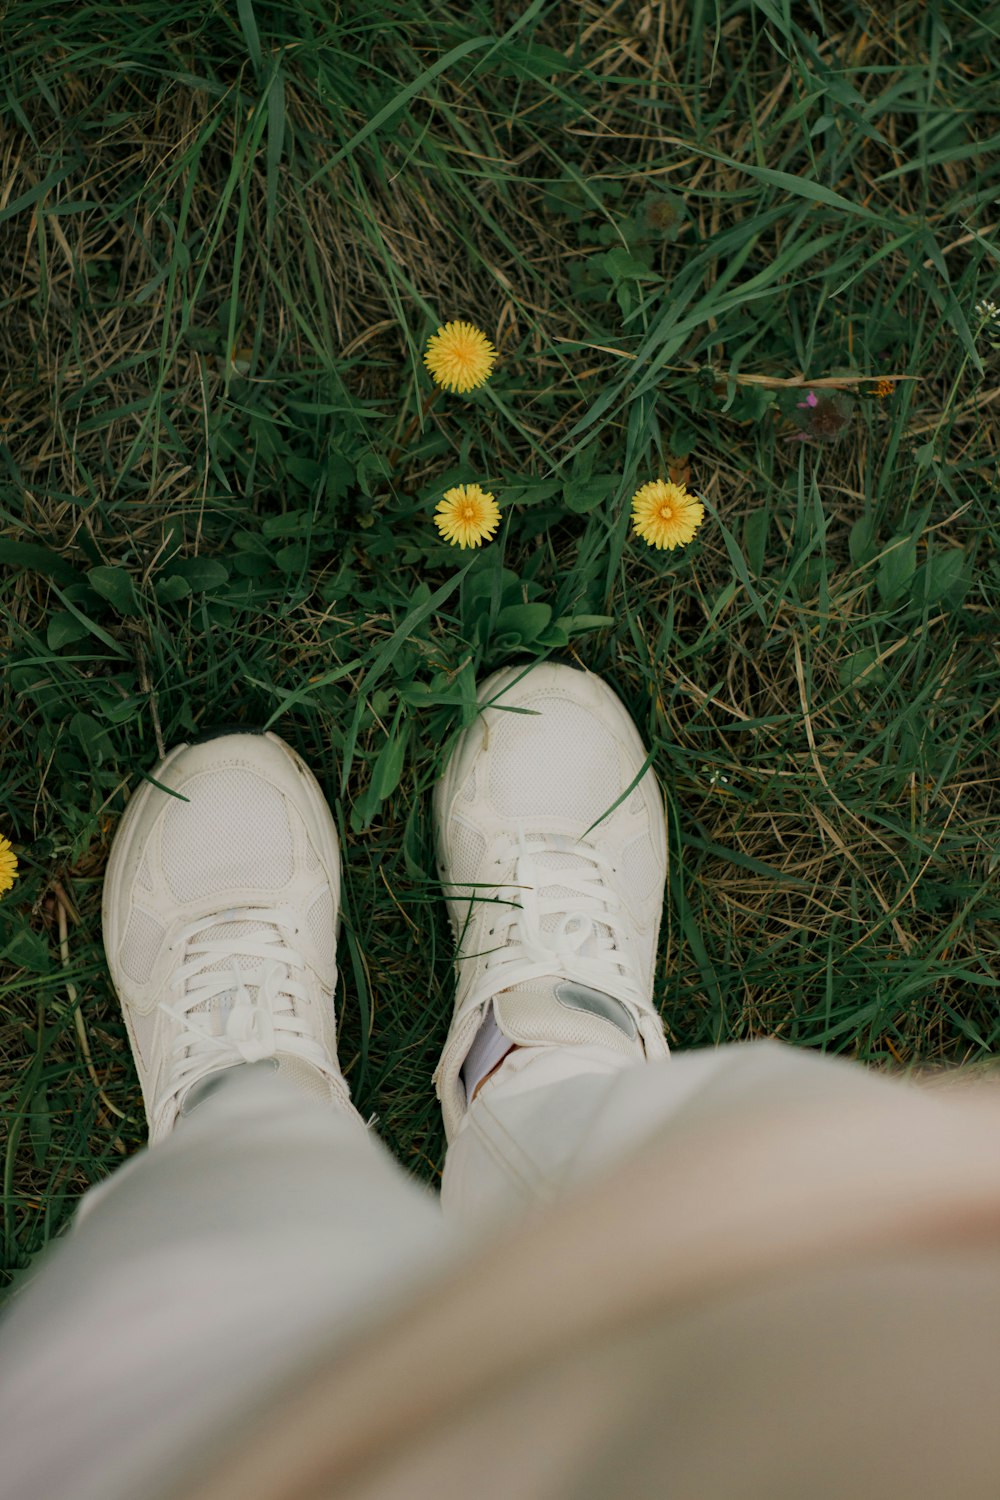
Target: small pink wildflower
[{"x": 821, "y": 417}]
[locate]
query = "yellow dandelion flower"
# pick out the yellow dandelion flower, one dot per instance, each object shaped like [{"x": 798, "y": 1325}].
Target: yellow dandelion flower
[
  {"x": 883, "y": 388},
  {"x": 460, "y": 357},
  {"x": 665, "y": 515},
  {"x": 8, "y": 865},
  {"x": 467, "y": 515}
]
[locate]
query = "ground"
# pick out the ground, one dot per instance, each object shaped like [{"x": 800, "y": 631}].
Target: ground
[{"x": 745, "y": 248}]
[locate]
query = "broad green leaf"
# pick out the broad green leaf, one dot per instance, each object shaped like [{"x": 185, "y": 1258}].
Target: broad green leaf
[
  {"x": 116, "y": 586},
  {"x": 389, "y": 767},
  {"x": 28, "y": 950},
  {"x": 292, "y": 523},
  {"x": 523, "y": 620},
  {"x": 620, "y": 265},
  {"x": 339, "y": 476},
  {"x": 897, "y": 568},
  {"x": 581, "y": 495},
  {"x": 199, "y": 573},
  {"x": 859, "y": 666},
  {"x": 532, "y": 492},
  {"x": 292, "y": 559},
  {"x": 247, "y": 564},
  {"x": 305, "y": 471},
  {"x": 63, "y": 628},
  {"x": 91, "y": 736},
  {"x": 39, "y": 559},
  {"x": 169, "y": 590},
  {"x": 90, "y": 625},
  {"x": 755, "y": 530},
  {"x": 941, "y": 576},
  {"x": 125, "y": 708},
  {"x": 861, "y": 542}
]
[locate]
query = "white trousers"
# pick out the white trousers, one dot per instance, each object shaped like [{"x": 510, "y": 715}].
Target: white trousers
[
  {"x": 205, "y": 1268},
  {"x": 267, "y": 1226}
]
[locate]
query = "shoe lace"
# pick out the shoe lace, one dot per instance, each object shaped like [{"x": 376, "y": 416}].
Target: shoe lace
[
  {"x": 237, "y": 992},
  {"x": 559, "y": 914}
]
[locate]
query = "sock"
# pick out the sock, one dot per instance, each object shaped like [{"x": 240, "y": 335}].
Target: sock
[{"x": 489, "y": 1047}]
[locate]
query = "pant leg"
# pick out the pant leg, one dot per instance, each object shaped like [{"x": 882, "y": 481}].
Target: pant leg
[
  {"x": 198, "y": 1276},
  {"x": 551, "y": 1117}
]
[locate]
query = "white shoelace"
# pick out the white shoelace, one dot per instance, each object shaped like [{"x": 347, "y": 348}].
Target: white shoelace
[
  {"x": 588, "y": 935},
  {"x": 261, "y": 956}
]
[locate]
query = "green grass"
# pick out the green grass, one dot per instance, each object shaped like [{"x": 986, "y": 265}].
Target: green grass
[{"x": 660, "y": 215}]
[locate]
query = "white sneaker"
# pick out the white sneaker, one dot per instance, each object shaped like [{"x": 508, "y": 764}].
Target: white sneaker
[
  {"x": 560, "y": 934},
  {"x": 221, "y": 914}
]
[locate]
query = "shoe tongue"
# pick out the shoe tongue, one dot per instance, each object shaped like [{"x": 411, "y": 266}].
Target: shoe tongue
[
  {"x": 311, "y": 1078},
  {"x": 562, "y": 1011},
  {"x": 219, "y": 1006},
  {"x": 548, "y": 864}
]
